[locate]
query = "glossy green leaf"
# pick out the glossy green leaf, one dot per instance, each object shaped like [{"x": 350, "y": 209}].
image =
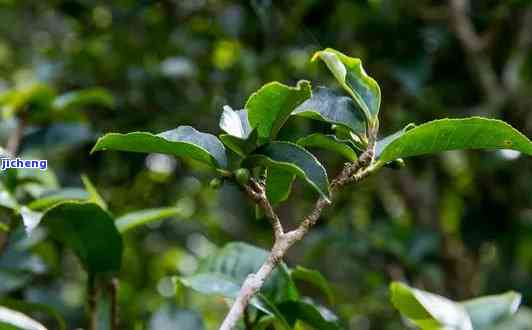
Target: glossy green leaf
[
  {"x": 170, "y": 316},
  {"x": 329, "y": 142},
  {"x": 278, "y": 184},
  {"x": 184, "y": 141},
  {"x": 429, "y": 311},
  {"x": 94, "y": 195},
  {"x": 294, "y": 159},
  {"x": 384, "y": 142},
  {"x": 349, "y": 72},
  {"x": 28, "y": 307},
  {"x": 315, "y": 278},
  {"x": 330, "y": 107},
  {"x": 83, "y": 98},
  {"x": 308, "y": 313},
  {"x": 132, "y": 220},
  {"x": 452, "y": 134},
  {"x": 235, "y": 123},
  {"x": 269, "y": 107},
  {"x": 11, "y": 319},
  {"x": 237, "y": 260},
  {"x": 488, "y": 311},
  {"x": 89, "y": 231},
  {"x": 50, "y": 198}
]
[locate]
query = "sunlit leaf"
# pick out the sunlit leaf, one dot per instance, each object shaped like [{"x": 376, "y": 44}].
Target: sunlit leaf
[
  {"x": 330, "y": 107},
  {"x": 28, "y": 307},
  {"x": 294, "y": 159},
  {"x": 488, "y": 311},
  {"x": 269, "y": 107},
  {"x": 453, "y": 134},
  {"x": 349, "y": 72},
  {"x": 329, "y": 142},
  {"x": 83, "y": 98},
  {"x": 11, "y": 319},
  {"x": 49, "y": 198},
  {"x": 38, "y": 95},
  {"x": 235, "y": 123},
  {"x": 184, "y": 141},
  {"x": 132, "y": 220},
  {"x": 94, "y": 195}
]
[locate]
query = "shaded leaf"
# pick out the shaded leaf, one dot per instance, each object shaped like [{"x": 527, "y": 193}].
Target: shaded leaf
[
  {"x": 184, "y": 141},
  {"x": 326, "y": 105},
  {"x": 293, "y": 159},
  {"x": 488, "y": 311},
  {"x": 89, "y": 231},
  {"x": 28, "y": 307},
  {"x": 83, "y": 98},
  {"x": 11, "y": 319},
  {"x": 315, "y": 278},
  {"x": 349, "y": 72},
  {"x": 328, "y": 142},
  {"x": 169, "y": 317},
  {"x": 52, "y": 197},
  {"x": 94, "y": 195},
  {"x": 452, "y": 134},
  {"x": 278, "y": 184},
  {"x": 132, "y": 220},
  {"x": 429, "y": 311},
  {"x": 270, "y": 106},
  {"x": 308, "y": 313}
]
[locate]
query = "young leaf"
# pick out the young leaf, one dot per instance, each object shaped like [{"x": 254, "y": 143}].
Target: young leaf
[
  {"x": 487, "y": 311},
  {"x": 315, "y": 278},
  {"x": 132, "y": 220},
  {"x": 50, "y": 198},
  {"x": 94, "y": 195},
  {"x": 349, "y": 72},
  {"x": 384, "y": 142},
  {"x": 452, "y": 134},
  {"x": 11, "y": 319},
  {"x": 89, "y": 231},
  {"x": 328, "y": 142},
  {"x": 326, "y": 105},
  {"x": 269, "y": 107},
  {"x": 294, "y": 159},
  {"x": 81, "y": 98},
  {"x": 308, "y": 313},
  {"x": 235, "y": 123},
  {"x": 184, "y": 141},
  {"x": 429, "y": 311},
  {"x": 278, "y": 184}
]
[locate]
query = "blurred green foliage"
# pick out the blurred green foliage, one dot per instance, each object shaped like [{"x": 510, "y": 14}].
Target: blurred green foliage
[{"x": 458, "y": 224}]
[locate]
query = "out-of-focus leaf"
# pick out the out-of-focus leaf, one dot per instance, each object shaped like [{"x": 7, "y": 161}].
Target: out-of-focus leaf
[
  {"x": 83, "y": 98},
  {"x": 315, "y": 278},
  {"x": 11, "y": 319},
  {"x": 328, "y": 142},
  {"x": 31, "y": 219},
  {"x": 184, "y": 141},
  {"x": 278, "y": 184},
  {"x": 132, "y": 220},
  {"x": 89, "y": 231},
  {"x": 326, "y": 105},
  {"x": 6, "y": 199},
  {"x": 294, "y": 159},
  {"x": 28, "y": 307},
  {"x": 520, "y": 321},
  {"x": 452, "y": 134},
  {"x": 349, "y": 72},
  {"x": 53, "y": 197},
  {"x": 308, "y": 313},
  {"x": 429, "y": 311},
  {"x": 58, "y": 137},
  {"x": 37, "y": 94},
  {"x": 4, "y": 227},
  {"x": 237, "y": 260},
  {"x": 270, "y": 106},
  {"x": 488, "y": 311},
  {"x": 94, "y": 195},
  {"x": 169, "y": 317}
]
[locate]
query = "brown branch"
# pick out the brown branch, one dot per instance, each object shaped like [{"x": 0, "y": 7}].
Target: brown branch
[
  {"x": 113, "y": 290},
  {"x": 92, "y": 299},
  {"x": 257, "y": 192},
  {"x": 352, "y": 172}
]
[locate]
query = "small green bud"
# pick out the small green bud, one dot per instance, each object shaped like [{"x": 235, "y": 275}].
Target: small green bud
[
  {"x": 242, "y": 176},
  {"x": 216, "y": 183},
  {"x": 396, "y": 164}
]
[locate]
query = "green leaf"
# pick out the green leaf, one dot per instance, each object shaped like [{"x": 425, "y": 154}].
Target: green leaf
[
  {"x": 6, "y": 198},
  {"x": 83, "y": 98},
  {"x": 235, "y": 123},
  {"x": 132, "y": 220},
  {"x": 429, "y": 311},
  {"x": 488, "y": 311},
  {"x": 184, "y": 141},
  {"x": 52, "y": 197},
  {"x": 237, "y": 260},
  {"x": 328, "y": 142},
  {"x": 384, "y": 142},
  {"x": 94, "y": 195},
  {"x": 349, "y": 72},
  {"x": 278, "y": 184},
  {"x": 170, "y": 316},
  {"x": 294, "y": 159},
  {"x": 31, "y": 219},
  {"x": 37, "y": 94},
  {"x": 89, "y": 231},
  {"x": 315, "y": 278},
  {"x": 520, "y": 321},
  {"x": 28, "y": 307},
  {"x": 452, "y": 134},
  {"x": 327, "y": 106},
  {"x": 308, "y": 313},
  {"x": 11, "y": 319},
  {"x": 269, "y": 107}
]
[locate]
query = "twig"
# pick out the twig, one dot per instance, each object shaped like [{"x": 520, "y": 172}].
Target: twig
[
  {"x": 113, "y": 290},
  {"x": 352, "y": 172},
  {"x": 92, "y": 299}
]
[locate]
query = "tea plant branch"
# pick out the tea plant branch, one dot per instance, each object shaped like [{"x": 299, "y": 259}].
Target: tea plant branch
[
  {"x": 352, "y": 172},
  {"x": 92, "y": 299},
  {"x": 113, "y": 290}
]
